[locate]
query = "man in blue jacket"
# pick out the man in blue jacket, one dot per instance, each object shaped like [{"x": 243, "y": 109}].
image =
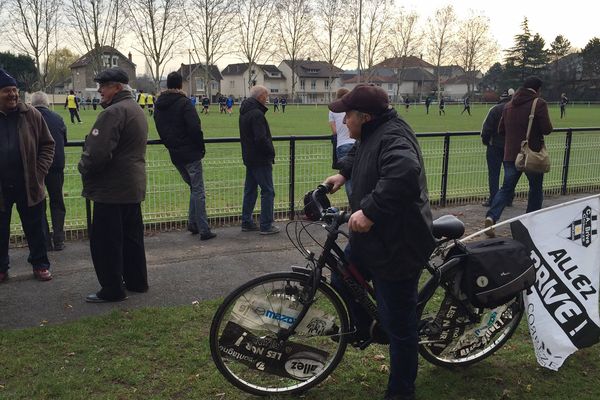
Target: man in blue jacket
[
  {"x": 178, "y": 126},
  {"x": 258, "y": 154},
  {"x": 390, "y": 228},
  {"x": 56, "y": 176}
]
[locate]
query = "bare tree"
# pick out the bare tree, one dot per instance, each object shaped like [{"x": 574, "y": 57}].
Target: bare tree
[
  {"x": 35, "y": 22},
  {"x": 370, "y": 31},
  {"x": 441, "y": 29},
  {"x": 404, "y": 40},
  {"x": 332, "y": 35},
  {"x": 475, "y": 47},
  {"x": 296, "y": 26},
  {"x": 254, "y": 18},
  {"x": 97, "y": 23},
  {"x": 158, "y": 30},
  {"x": 207, "y": 20}
]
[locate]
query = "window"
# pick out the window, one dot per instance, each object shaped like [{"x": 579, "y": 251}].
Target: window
[
  {"x": 390, "y": 86},
  {"x": 274, "y": 90},
  {"x": 302, "y": 84},
  {"x": 326, "y": 84},
  {"x": 199, "y": 84},
  {"x": 115, "y": 61},
  {"x": 313, "y": 84},
  {"x": 231, "y": 84},
  {"x": 106, "y": 61},
  {"x": 214, "y": 85}
]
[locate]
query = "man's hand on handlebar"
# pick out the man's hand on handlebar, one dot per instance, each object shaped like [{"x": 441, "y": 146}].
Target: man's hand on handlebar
[
  {"x": 335, "y": 181},
  {"x": 359, "y": 222}
]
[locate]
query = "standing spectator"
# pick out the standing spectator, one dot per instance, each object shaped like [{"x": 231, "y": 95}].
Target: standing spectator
[
  {"x": 55, "y": 179},
  {"x": 178, "y": 126},
  {"x": 466, "y": 105},
  {"x": 442, "y": 106},
  {"x": 150, "y": 103},
  {"x": 427, "y": 104},
  {"x": 276, "y": 104},
  {"x": 113, "y": 171},
  {"x": 205, "y": 104},
  {"x": 258, "y": 154},
  {"x": 494, "y": 142},
  {"x": 229, "y": 105},
  {"x": 341, "y": 136},
  {"x": 72, "y": 103},
  {"x": 513, "y": 125},
  {"x": 26, "y": 153},
  {"x": 407, "y": 102},
  {"x": 563, "y": 104},
  {"x": 141, "y": 99},
  {"x": 283, "y": 103},
  {"x": 390, "y": 228},
  {"x": 95, "y": 102}
]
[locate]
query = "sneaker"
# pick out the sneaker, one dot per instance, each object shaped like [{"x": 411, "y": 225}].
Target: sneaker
[
  {"x": 3, "y": 276},
  {"x": 487, "y": 223},
  {"x": 271, "y": 231},
  {"x": 208, "y": 236},
  {"x": 249, "y": 228},
  {"x": 42, "y": 274}
]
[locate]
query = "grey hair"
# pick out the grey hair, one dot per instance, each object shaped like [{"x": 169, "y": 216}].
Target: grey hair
[
  {"x": 40, "y": 99},
  {"x": 258, "y": 90}
]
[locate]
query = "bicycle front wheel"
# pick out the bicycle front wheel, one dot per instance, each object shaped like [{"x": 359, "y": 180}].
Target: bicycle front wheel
[
  {"x": 245, "y": 345},
  {"x": 449, "y": 337}
]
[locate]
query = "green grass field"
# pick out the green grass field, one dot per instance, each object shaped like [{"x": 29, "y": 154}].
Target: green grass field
[{"x": 167, "y": 195}]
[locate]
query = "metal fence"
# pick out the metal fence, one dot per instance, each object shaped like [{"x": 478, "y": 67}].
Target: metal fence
[{"x": 454, "y": 161}]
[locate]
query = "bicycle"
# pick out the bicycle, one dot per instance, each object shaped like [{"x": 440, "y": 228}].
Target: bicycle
[{"x": 286, "y": 332}]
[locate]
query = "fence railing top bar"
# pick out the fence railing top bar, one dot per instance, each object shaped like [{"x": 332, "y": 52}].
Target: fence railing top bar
[{"x": 79, "y": 143}]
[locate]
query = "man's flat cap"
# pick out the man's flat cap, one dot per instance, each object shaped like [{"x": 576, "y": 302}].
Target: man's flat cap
[
  {"x": 365, "y": 98},
  {"x": 112, "y": 75}
]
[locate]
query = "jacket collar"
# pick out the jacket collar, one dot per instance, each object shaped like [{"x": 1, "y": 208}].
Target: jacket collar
[{"x": 372, "y": 126}]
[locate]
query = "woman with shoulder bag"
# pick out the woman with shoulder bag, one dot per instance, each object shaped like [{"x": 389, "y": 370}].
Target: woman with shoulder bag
[{"x": 516, "y": 127}]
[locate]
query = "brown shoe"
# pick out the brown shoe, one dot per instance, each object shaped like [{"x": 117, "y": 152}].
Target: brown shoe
[
  {"x": 488, "y": 223},
  {"x": 42, "y": 274}
]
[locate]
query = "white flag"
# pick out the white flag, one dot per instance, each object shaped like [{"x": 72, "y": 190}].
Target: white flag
[{"x": 562, "y": 305}]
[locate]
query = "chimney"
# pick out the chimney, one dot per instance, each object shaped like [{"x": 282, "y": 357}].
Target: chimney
[{"x": 129, "y": 56}]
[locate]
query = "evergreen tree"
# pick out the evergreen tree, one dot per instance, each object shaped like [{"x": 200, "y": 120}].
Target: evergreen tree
[
  {"x": 527, "y": 57},
  {"x": 591, "y": 60},
  {"x": 493, "y": 79},
  {"x": 20, "y": 66},
  {"x": 559, "y": 48}
]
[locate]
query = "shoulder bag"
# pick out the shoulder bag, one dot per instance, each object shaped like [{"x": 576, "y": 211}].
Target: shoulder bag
[{"x": 529, "y": 161}]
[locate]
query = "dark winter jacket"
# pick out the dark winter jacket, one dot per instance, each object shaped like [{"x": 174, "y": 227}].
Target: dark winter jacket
[
  {"x": 255, "y": 135},
  {"x": 58, "y": 129},
  {"x": 178, "y": 126},
  {"x": 37, "y": 151},
  {"x": 113, "y": 162},
  {"x": 489, "y": 130},
  {"x": 515, "y": 117},
  {"x": 390, "y": 187}
]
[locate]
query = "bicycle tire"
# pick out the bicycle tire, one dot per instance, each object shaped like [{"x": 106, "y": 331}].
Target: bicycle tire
[
  {"x": 462, "y": 344},
  {"x": 243, "y": 340}
]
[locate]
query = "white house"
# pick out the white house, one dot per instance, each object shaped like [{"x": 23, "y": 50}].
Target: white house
[
  {"x": 316, "y": 81},
  {"x": 238, "y": 78}
]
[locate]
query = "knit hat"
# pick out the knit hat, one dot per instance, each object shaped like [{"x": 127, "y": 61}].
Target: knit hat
[{"x": 6, "y": 79}]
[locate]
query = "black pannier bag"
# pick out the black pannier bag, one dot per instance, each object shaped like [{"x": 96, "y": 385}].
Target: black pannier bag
[{"x": 494, "y": 270}]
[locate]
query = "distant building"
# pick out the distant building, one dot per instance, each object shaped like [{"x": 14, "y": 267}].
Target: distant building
[
  {"x": 194, "y": 76},
  {"x": 238, "y": 78},
  {"x": 316, "y": 81},
  {"x": 83, "y": 73}
]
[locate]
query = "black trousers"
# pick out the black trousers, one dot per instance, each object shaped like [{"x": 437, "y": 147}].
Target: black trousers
[
  {"x": 117, "y": 247},
  {"x": 54, "y": 184},
  {"x": 74, "y": 114}
]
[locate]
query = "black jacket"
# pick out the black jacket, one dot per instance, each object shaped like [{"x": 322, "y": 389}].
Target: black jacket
[
  {"x": 489, "y": 130},
  {"x": 58, "y": 130},
  {"x": 178, "y": 126},
  {"x": 390, "y": 187},
  {"x": 255, "y": 135},
  {"x": 113, "y": 162}
]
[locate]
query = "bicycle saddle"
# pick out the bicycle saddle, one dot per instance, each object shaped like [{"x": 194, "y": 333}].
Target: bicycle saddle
[{"x": 448, "y": 226}]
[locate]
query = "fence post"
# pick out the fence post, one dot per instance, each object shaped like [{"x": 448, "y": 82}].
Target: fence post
[
  {"x": 566, "y": 161},
  {"x": 292, "y": 176},
  {"x": 446, "y": 156}
]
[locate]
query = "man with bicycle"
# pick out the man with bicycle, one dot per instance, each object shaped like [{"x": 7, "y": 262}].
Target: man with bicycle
[{"x": 390, "y": 229}]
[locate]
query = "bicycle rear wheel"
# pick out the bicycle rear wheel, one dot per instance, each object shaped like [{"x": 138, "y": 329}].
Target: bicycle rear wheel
[
  {"x": 244, "y": 343},
  {"x": 448, "y": 337}
]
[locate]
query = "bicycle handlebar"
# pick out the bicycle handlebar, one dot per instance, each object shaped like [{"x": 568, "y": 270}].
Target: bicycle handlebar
[{"x": 342, "y": 217}]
